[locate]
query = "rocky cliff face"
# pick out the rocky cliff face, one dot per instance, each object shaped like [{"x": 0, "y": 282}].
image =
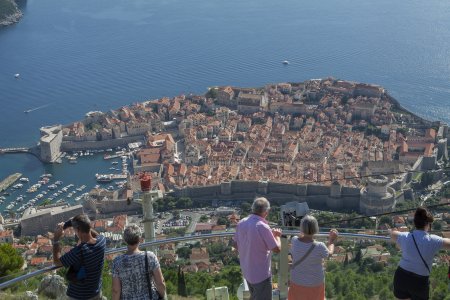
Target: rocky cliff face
[{"x": 9, "y": 12}]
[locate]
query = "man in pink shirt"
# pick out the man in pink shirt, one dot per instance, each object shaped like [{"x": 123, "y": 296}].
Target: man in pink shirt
[{"x": 255, "y": 240}]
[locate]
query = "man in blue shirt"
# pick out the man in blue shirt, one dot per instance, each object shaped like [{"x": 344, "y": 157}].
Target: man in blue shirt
[{"x": 89, "y": 253}]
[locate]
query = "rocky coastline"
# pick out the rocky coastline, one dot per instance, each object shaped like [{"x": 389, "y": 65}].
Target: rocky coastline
[{"x": 10, "y": 18}]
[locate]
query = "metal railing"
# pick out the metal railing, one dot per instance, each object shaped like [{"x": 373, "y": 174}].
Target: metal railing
[{"x": 283, "y": 272}]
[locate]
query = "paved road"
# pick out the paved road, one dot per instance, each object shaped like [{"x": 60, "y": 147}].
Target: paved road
[{"x": 195, "y": 217}]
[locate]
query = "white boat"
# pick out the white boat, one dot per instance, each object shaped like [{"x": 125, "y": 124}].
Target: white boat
[
  {"x": 17, "y": 75},
  {"x": 24, "y": 179},
  {"x": 285, "y": 62}
]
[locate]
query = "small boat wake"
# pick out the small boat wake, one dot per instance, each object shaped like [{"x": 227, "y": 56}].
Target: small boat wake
[{"x": 36, "y": 108}]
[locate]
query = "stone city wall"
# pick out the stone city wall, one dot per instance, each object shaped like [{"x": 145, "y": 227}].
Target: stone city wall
[
  {"x": 92, "y": 145},
  {"x": 317, "y": 196}
]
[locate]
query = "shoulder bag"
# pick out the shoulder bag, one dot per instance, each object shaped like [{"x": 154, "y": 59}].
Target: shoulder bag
[
  {"x": 149, "y": 281},
  {"x": 420, "y": 254},
  {"x": 304, "y": 256}
]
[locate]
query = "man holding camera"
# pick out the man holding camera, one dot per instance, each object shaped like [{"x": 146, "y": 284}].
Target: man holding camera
[{"x": 85, "y": 261}]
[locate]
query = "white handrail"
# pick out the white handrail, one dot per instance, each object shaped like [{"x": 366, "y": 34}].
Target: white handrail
[{"x": 187, "y": 238}]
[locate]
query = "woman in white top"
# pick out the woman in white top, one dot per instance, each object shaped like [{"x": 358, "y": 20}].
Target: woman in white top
[
  {"x": 418, "y": 250},
  {"x": 307, "y": 274}
]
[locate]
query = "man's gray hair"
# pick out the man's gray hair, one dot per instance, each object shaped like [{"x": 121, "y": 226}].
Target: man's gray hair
[
  {"x": 132, "y": 234},
  {"x": 260, "y": 205},
  {"x": 309, "y": 225}
]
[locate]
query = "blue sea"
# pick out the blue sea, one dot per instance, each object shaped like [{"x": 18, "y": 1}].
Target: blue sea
[{"x": 78, "y": 56}]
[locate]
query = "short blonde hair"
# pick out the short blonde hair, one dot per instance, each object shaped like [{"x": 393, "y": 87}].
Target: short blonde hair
[{"x": 309, "y": 225}]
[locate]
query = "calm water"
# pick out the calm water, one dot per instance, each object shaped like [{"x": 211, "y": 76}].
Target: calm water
[{"x": 76, "y": 56}]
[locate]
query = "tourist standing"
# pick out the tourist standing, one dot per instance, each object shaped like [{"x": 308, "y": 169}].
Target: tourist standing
[
  {"x": 131, "y": 279},
  {"x": 307, "y": 272},
  {"x": 411, "y": 279},
  {"x": 87, "y": 256},
  {"x": 255, "y": 241}
]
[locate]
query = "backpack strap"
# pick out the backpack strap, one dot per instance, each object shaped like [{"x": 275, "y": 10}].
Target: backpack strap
[
  {"x": 147, "y": 275},
  {"x": 304, "y": 256},
  {"x": 424, "y": 262}
]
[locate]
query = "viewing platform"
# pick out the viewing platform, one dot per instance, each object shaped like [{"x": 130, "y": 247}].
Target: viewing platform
[{"x": 280, "y": 261}]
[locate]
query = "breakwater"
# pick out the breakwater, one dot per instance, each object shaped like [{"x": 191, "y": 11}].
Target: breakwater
[{"x": 7, "y": 182}]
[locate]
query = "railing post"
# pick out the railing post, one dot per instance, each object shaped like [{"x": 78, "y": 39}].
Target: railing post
[
  {"x": 283, "y": 268},
  {"x": 246, "y": 292}
]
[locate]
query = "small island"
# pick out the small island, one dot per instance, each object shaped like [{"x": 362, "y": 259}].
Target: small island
[{"x": 9, "y": 12}]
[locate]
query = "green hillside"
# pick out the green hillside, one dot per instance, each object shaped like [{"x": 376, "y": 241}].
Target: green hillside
[{"x": 7, "y": 8}]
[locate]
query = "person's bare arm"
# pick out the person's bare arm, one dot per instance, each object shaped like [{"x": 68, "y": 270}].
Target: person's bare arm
[
  {"x": 277, "y": 234},
  {"x": 394, "y": 234},
  {"x": 331, "y": 239},
  {"x": 116, "y": 288},
  {"x": 159, "y": 281},
  {"x": 94, "y": 233},
  {"x": 56, "y": 246},
  {"x": 235, "y": 245},
  {"x": 446, "y": 245}
]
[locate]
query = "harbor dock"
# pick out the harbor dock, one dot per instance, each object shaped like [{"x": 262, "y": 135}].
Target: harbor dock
[{"x": 6, "y": 183}]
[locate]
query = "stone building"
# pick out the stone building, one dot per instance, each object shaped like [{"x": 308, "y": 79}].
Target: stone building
[
  {"x": 37, "y": 221},
  {"x": 6, "y": 236},
  {"x": 377, "y": 197},
  {"x": 50, "y": 143}
]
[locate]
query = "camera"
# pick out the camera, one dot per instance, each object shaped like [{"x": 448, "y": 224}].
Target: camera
[{"x": 67, "y": 224}]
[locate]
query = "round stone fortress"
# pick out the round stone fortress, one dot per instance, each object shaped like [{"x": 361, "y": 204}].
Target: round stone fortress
[{"x": 377, "y": 197}]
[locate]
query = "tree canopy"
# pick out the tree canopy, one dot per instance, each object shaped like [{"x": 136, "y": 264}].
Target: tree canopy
[{"x": 10, "y": 260}]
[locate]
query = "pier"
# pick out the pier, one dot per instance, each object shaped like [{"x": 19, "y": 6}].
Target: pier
[
  {"x": 6, "y": 183},
  {"x": 32, "y": 150},
  {"x": 15, "y": 150}
]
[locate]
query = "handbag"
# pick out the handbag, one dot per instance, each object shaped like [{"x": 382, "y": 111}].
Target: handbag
[
  {"x": 77, "y": 276},
  {"x": 149, "y": 282}
]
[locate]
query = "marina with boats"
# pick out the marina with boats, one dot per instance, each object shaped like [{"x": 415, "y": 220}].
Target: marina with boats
[{"x": 19, "y": 192}]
